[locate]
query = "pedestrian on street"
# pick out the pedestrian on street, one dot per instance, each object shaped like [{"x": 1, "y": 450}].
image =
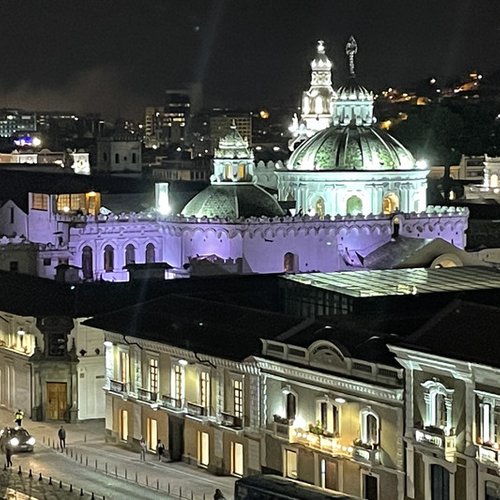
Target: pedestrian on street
[
  {"x": 160, "y": 448},
  {"x": 61, "y": 433},
  {"x": 218, "y": 495},
  {"x": 8, "y": 456},
  {"x": 143, "y": 449},
  {"x": 19, "y": 417}
]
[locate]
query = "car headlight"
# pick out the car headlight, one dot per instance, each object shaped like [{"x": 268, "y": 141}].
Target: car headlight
[
  {"x": 31, "y": 441},
  {"x": 14, "y": 442}
]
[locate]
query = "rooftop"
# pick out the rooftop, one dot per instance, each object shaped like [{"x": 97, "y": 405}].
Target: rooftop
[{"x": 392, "y": 282}]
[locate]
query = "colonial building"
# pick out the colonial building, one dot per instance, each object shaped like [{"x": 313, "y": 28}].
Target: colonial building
[{"x": 452, "y": 400}]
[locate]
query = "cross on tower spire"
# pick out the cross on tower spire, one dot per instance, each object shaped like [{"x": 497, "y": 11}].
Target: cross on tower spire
[{"x": 351, "y": 49}]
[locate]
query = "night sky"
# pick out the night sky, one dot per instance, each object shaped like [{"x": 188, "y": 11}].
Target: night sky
[{"x": 116, "y": 57}]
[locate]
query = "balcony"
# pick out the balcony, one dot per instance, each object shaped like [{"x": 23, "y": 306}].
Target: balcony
[
  {"x": 366, "y": 452},
  {"x": 148, "y": 396},
  {"x": 489, "y": 453},
  {"x": 230, "y": 420},
  {"x": 282, "y": 427},
  {"x": 324, "y": 441},
  {"x": 118, "y": 387},
  {"x": 171, "y": 403},
  {"x": 196, "y": 410},
  {"x": 437, "y": 437}
]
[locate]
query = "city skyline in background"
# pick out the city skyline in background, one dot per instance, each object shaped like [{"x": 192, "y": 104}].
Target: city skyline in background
[{"x": 95, "y": 57}]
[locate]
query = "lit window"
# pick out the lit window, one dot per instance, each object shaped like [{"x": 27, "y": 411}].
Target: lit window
[
  {"x": 39, "y": 201},
  {"x": 205, "y": 389},
  {"x": 124, "y": 367},
  {"x": 328, "y": 416},
  {"x": 370, "y": 427},
  {"x": 153, "y": 375},
  {"x": 178, "y": 382},
  {"x": 238, "y": 398},
  {"x": 438, "y": 403}
]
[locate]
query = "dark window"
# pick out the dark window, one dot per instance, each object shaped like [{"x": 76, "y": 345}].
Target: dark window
[
  {"x": 117, "y": 158},
  {"x": 370, "y": 487},
  {"x": 440, "y": 483},
  {"x": 291, "y": 406},
  {"x": 109, "y": 258},
  {"x": 12, "y": 215},
  {"x": 87, "y": 264},
  {"x": 129, "y": 254},
  {"x": 104, "y": 157},
  {"x": 14, "y": 265},
  {"x": 47, "y": 262},
  {"x": 57, "y": 344},
  {"x": 134, "y": 158},
  {"x": 150, "y": 253}
]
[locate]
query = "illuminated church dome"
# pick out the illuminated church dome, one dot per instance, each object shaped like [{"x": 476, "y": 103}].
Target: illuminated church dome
[
  {"x": 233, "y": 192},
  {"x": 351, "y": 148},
  {"x": 353, "y": 167}
]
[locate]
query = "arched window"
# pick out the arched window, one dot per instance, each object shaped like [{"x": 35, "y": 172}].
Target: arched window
[
  {"x": 289, "y": 262},
  {"x": 150, "y": 253},
  {"x": 129, "y": 254},
  {"x": 242, "y": 171},
  {"x": 109, "y": 258},
  {"x": 319, "y": 207},
  {"x": 390, "y": 204},
  {"x": 354, "y": 205},
  {"x": 87, "y": 263},
  {"x": 228, "y": 171},
  {"x": 369, "y": 428},
  {"x": 318, "y": 105}
]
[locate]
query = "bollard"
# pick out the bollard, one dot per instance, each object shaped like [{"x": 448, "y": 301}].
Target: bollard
[
  {"x": 60, "y": 484},
  {"x": 106, "y": 467},
  {"x": 81, "y": 458},
  {"x": 66, "y": 450},
  {"x": 116, "y": 471},
  {"x": 19, "y": 471},
  {"x": 168, "y": 488},
  {"x": 71, "y": 452},
  {"x": 30, "y": 475},
  {"x": 81, "y": 492},
  {"x": 85, "y": 440},
  {"x": 125, "y": 473},
  {"x": 157, "y": 484},
  {"x": 147, "y": 481},
  {"x": 40, "y": 477},
  {"x": 136, "y": 476},
  {"x": 96, "y": 464},
  {"x": 70, "y": 488},
  {"x": 180, "y": 491},
  {"x": 43, "y": 439},
  {"x": 50, "y": 480},
  {"x": 92, "y": 497},
  {"x": 204, "y": 496},
  {"x": 192, "y": 495},
  {"x": 4, "y": 466},
  {"x": 86, "y": 461}
]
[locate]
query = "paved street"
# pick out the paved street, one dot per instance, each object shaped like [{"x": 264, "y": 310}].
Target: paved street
[{"x": 104, "y": 469}]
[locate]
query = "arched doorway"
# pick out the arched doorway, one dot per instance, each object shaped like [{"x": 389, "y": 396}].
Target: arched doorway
[
  {"x": 354, "y": 205},
  {"x": 390, "y": 204}
]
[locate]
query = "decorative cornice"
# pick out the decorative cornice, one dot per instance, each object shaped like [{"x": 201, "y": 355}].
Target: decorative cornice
[{"x": 361, "y": 389}]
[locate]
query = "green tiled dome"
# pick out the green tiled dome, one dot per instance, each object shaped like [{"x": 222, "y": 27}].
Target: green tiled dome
[
  {"x": 233, "y": 200},
  {"x": 351, "y": 148}
]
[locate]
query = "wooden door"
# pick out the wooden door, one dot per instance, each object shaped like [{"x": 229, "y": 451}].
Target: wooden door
[{"x": 57, "y": 400}]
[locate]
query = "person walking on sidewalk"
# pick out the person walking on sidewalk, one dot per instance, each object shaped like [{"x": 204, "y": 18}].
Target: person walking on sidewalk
[
  {"x": 218, "y": 495},
  {"x": 61, "y": 434},
  {"x": 8, "y": 455},
  {"x": 142, "y": 444},
  {"x": 19, "y": 417},
  {"x": 160, "y": 449}
]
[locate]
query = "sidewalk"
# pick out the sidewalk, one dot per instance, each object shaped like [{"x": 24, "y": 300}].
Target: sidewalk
[{"x": 86, "y": 447}]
